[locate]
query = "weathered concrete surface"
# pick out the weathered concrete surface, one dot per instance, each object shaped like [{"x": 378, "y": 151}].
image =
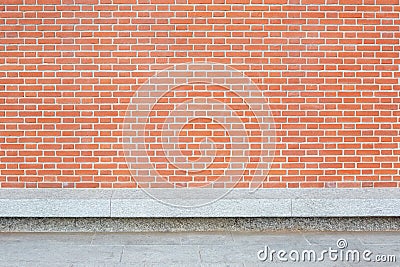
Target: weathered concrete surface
[
  {"x": 134, "y": 203},
  {"x": 185, "y": 249}
]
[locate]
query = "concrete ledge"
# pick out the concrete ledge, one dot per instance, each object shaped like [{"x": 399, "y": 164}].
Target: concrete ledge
[{"x": 134, "y": 203}]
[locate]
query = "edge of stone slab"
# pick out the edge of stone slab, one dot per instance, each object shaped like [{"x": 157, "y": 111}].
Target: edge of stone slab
[{"x": 135, "y": 203}]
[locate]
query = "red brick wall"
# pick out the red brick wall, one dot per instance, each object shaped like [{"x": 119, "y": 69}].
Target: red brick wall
[{"x": 329, "y": 71}]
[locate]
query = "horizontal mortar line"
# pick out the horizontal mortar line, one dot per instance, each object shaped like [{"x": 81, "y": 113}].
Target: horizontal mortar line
[
  {"x": 194, "y": 5},
  {"x": 215, "y": 77},
  {"x": 215, "y": 51},
  {"x": 250, "y": 25},
  {"x": 272, "y": 91},
  {"x": 138, "y": 48}
]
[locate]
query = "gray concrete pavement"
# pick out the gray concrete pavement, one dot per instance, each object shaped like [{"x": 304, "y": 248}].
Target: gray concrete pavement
[{"x": 199, "y": 249}]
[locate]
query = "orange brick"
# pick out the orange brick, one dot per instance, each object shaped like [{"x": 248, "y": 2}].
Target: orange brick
[{"x": 328, "y": 73}]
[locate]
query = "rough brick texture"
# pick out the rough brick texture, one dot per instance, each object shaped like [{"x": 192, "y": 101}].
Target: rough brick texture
[{"x": 328, "y": 69}]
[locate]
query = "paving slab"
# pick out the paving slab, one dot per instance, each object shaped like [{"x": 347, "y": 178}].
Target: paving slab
[
  {"x": 164, "y": 255},
  {"x": 137, "y": 239},
  {"x": 193, "y": 248}
]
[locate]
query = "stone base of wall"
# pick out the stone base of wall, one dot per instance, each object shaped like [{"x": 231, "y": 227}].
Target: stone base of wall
[
  {"x": 119, "y": 210},
  {"x": 199, "y": 203}
]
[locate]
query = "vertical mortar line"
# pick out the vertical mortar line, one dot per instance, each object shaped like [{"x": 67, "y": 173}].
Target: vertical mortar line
[
  {"x": 291, "y": 207},
  {"x": 111, "y": 196}
]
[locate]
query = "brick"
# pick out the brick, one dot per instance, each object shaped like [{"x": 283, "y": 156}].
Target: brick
[{"x": 327, "y": 69}]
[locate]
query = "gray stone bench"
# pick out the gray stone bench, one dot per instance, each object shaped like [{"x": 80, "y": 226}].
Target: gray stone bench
[{"x": 134, "y": 203}]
